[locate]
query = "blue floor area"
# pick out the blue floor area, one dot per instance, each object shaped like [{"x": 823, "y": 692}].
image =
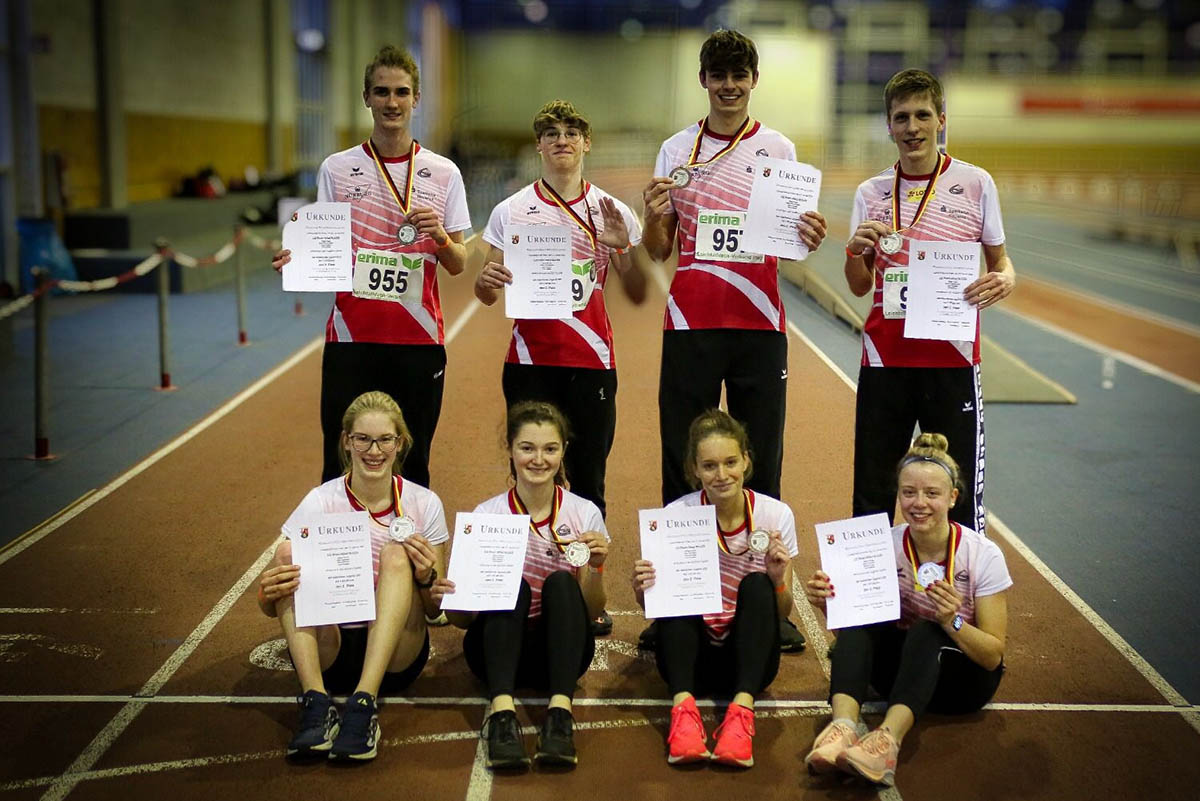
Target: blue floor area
[{"x": 104, "y": 414}]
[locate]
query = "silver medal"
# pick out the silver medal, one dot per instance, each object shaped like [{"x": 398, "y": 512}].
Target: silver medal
[
  {"x": 407, "y": 234},
  {"x": 402, "y": 528},
  {"x": 681, "y": 177},
  {"x": 578, "y": 554},
  {"x": 891, "y": 243},
  {"x": 930, "y": 572},
  {"x": 759, "y": 541}
]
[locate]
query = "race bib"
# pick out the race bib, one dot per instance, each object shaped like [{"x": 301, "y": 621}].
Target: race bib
[
  {"x": 895, "y": 293},
  {"x": 386, "y": 275},
  {"x": 719, "y": 237},
  {"x": 583, "y": 281}
]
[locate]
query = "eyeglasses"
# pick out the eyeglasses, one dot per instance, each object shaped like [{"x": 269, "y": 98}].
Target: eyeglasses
[
  {"x": 553, "y": 134},
  {"x": 362, "y": 443}
]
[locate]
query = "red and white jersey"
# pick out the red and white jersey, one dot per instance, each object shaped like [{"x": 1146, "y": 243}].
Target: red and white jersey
[
  {"x": 416, "y": 502},
  {"x": 710, "y": 292},
  {"x": 375, "y": 218},
  {"x": 965, "y": 207},
  {"x": 584, "y": 339},
  {"x": 979, "y": 571},
  {"x": 768, "y": 514},
  {"x": 575, "y": 516}
]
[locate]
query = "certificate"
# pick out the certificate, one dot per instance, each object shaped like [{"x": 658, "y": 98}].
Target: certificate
[
  {"x": 782, "y": 191},
  {"x": 336, "y": 580},
  {"x": 938, "y": 273},
  {"x": 860, "y": 560},
  {"x": 681, "y": 542},
  {"x": 319, "y": 239},
  {"x": 487, "y": 558},
  {"x": 539, "y": 258}
]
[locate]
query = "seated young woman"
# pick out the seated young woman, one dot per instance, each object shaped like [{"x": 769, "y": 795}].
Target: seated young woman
[
  {"x": 408, "y": 533},
  {"x": 545, "y": 642},
  {"x": 946, "y": 652},
  {"x": 736, "y": 651}
]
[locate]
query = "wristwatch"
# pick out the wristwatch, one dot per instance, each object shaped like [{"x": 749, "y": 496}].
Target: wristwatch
[
  {"x": 428, "y": 584},
  {"x": 956, "y": 624}
]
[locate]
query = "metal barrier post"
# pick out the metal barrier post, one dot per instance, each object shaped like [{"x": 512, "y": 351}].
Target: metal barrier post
[
  {"x": 239, "y": 282},
  {"x": 41, "y": 368},
  {"x": 164, "y": 339}
]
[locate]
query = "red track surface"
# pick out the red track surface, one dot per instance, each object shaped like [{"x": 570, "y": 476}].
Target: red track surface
[{"x": 152, "y": 561}]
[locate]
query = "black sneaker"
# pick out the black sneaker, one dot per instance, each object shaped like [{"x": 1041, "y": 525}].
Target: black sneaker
[
  {"x": 505, "y": 748},
  {"x": 556, "y": 742},
  {"x": 648, "y": 639},
  {"x": 359, "y": 736},
  {"x": 602, "y": 625},
  {"x": 318, "y": 726},
  {"x": 790, "y": 638}
]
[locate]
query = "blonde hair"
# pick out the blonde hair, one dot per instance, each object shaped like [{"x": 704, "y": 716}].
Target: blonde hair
[
  {"x": 376, "y": 401},
  {"x": 560, "y": 111},
  {"x": 391, "y": 56},
  {"x": 713, "y": 423},
  {"x": 932, "y": 448}
]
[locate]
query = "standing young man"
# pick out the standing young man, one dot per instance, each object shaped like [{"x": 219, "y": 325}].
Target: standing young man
[
  {"x": 724, "y": 322},
  {"x": 568, "y": 362},
  {"x": 926, "y": 196},
  {"x": 408, "y": 214}
]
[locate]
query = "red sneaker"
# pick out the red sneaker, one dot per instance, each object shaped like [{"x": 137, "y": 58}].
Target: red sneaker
[
  {"x": 687, "y": 740},
  {"x": 734, "y": 746}
]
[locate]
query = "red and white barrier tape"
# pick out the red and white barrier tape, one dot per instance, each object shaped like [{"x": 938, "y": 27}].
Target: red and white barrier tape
[{"x": 17, "y": 305}]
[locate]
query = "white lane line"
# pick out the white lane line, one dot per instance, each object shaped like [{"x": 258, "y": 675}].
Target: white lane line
[
  {"x": 1117, "y": 306},
  {"x": 1163, "y": 288},
  {"x": 49, "y": 610},
  {"x": 100, "y": 744},
  {"x": 461, "y": 321},
  {"x": 1104, "y": 350},
  {"x": 479, "y": 787},
  {"x": 35, "y": 535},
  {"x": 603, "y": 703},
  {"x": 1108, "y": 632}
]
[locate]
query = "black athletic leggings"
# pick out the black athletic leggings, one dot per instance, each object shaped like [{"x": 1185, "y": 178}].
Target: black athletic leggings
[
  {"x": 746, "y": 661},
  {"x": 920, "y": 667},
  {"x": 506, "y": 650}
]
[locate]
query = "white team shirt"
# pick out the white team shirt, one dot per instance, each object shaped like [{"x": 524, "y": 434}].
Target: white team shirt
[
  {"x": 713, "y": 293},
  {"x": 352, "y": 176},
  {"x": 965, "y": 208},
  {"x": 768, "y": 514},
  {"x": 576, "y": 516},
  {"x": 421, "y": 504},
  {"x": 979, "y": 571},
  {"x": 585, "y": 339}
]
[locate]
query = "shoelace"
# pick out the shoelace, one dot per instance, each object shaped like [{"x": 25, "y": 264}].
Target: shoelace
[
  {"x": 505, "y": 734},
  {"x": 558, "y": 722},
  {"x": 312, "y": 714},
  {"x": 692, "y": 717},
  {"x": 833, "y": 731},
  {"x": 877, "y": 743},
  {"x": 747, "y": 723}
]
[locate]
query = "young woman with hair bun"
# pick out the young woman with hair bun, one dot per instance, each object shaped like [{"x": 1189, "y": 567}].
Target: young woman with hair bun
[{"x": 946, "y": 652}]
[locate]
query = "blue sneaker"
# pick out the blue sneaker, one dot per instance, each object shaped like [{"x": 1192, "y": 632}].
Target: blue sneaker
[
  {"x": 318, "y": 726},
  {"x": 359, "y": 734}
]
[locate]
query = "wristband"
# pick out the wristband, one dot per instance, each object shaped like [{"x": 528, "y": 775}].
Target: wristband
[
  {"x": 262, "y": 599},
  {"x": 780, "y": 589},
  {"x": 441, "y": 243},
  {"x": 624, "y": 250},
  {"x": 598, "y": 568},
  {"x": 852, "y": 254}
]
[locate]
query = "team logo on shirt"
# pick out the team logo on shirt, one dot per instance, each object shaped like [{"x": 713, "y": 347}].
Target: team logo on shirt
[
  {"x": 356, "y": 170},
  {"x": 962, "y": 576},
  {"x": 766, "y": 172},
  {"x": 424, "y": 172},
  {"x": 957, "y": 189},
  {"x": 563, "y": 531},
  {"x": 516, "y": 239},
  {"x": 356, "y": 192}
]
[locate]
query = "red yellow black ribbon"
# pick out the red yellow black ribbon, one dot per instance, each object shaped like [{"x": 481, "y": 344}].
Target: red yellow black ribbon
[
  {"x": 924, "y": 202},
  {"x": 515, "y": 503},
  {"x": 387, "y": 176},
  {"x": 737, "y": 137},
  {"x": 749, "y": 523},
  {"x": 589, "y": 227}
]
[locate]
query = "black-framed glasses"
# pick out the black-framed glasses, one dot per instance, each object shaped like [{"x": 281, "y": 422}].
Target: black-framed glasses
[{"x": 362, "y": 443}]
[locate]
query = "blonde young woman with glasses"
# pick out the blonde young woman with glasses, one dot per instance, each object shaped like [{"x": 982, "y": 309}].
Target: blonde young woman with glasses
[{"x": 408, "y": 535}]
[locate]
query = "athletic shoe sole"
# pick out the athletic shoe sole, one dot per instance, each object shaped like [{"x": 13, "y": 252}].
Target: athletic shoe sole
[
  {"x": 507, "y": 764},
  {"x": 549, "y": 758},
  {"x": 318, "y": 750},
  {"x": 887, "y": 777},
  {"x": 819, "y": 765},
  {"x": 684, "y": 759},
  {"x": 733, "y": 762}
]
